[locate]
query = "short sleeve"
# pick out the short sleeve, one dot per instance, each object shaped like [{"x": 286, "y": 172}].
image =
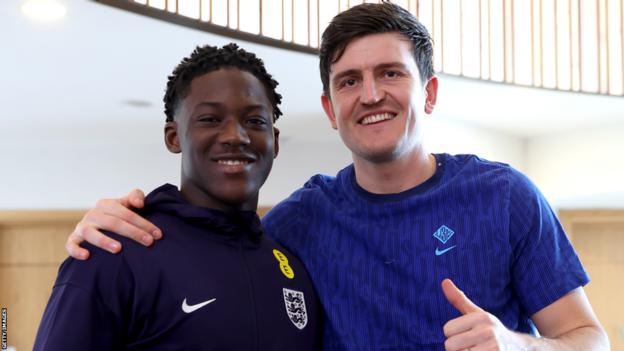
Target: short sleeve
[{"x": 545, "y": 265}]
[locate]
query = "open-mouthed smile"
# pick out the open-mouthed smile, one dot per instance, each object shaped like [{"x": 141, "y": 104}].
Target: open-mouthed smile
[
  {"x": 234, "y": 162},
  {"x": 376, "y": 118}
]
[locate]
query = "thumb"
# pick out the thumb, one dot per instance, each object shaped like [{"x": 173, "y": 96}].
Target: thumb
[
  {"x": 457, "y": 298},
  {"x": 134, "y": 199}
]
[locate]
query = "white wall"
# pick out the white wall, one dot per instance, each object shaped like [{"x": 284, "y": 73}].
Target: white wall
[
  {"x": 71, "y": 166},
  {"x": 580, "y": 169},
  {"x": 455, "y": 137}
]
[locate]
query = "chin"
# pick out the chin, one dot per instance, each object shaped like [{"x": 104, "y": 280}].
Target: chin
[{"x": 380, "y": 154}]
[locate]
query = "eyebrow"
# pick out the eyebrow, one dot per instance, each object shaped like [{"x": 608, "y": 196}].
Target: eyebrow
[
  {"x": 351, "y": 72},
  {"x": 218, "y": 105},
  {"x": 207, "y": 104},
  {"x": 392, "y": 65}
]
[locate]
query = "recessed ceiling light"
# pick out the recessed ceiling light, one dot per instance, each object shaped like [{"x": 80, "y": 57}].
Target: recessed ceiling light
[
  {"x": 44, "y": 10},
  {"x": 137, "y": 103}
]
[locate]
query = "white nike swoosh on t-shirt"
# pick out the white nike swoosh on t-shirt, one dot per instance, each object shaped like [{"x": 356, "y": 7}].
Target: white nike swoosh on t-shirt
[{"x": 192, "y": 308}]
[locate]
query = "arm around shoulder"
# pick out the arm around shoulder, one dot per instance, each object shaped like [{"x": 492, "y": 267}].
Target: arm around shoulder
[{"x": 114, "y": 215}]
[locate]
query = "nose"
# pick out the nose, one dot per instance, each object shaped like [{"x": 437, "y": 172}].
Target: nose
[
  {"x": 370, "y": 93},
  {"x": 233, "y": 133}
]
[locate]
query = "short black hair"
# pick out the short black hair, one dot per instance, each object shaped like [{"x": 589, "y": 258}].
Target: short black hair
[
  {"x": 368, "y": 19},
  {"x": 206, "y": 59}
]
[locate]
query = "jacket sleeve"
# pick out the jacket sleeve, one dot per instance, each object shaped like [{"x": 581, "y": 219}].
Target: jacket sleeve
[
  {"x": 86, "y": 308},
  {"x": 75, "y": 320}
]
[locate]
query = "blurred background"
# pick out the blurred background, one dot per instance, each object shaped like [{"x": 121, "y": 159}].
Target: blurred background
[{"x": 537, "y": 84}]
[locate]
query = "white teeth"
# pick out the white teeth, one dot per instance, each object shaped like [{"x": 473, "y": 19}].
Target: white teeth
[
  {"x": 376, "y": 118},
  {"x": 233, "y": 162}
]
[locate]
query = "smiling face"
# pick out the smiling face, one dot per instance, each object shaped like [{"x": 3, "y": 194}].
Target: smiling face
[
  {"x": 377, "y": 98},
  {"x": 224, "y": 130}
]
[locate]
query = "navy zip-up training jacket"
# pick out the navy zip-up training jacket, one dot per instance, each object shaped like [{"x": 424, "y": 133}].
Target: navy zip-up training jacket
[{"x": 213, "y": 282}]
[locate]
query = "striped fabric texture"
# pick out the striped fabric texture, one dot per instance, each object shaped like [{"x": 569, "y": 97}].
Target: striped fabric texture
[{"x": 377, "y": 261}]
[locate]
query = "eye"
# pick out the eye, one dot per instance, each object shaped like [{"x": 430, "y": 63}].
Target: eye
[
  {"x": 209, "y": 119},
  {"x": 257, "y": 121},
  {"x": 349, "y": 82},
  {"x": 392, "y": 74}
]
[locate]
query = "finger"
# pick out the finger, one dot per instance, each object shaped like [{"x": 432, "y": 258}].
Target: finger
[
  {"x": 90, "y": 233},
  {"x": 137, "y": 227},
  {"x": 72, "y": 246},
  {"x": 121, "y": 222},
  {"x": 113, "y": 216},
  {"x": 466, "y": 323},
  {"x": 490, "y": 345},
  {"x": 475, "y": 339},
  {"x": 457, "y": 298},
  {"x": 458, "y": 343}
]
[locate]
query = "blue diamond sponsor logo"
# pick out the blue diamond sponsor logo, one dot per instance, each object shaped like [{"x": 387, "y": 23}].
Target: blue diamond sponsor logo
[{"x": 443, "y": 234}]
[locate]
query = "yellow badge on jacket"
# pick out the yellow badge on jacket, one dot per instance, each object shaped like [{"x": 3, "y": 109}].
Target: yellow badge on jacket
[{"x": 283, "y": 264}]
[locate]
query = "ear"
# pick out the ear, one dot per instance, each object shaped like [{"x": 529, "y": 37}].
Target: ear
[
  {"x": 431, "y": 91},
  {"x": 171, "y": 137},
  {"x": 276, "y": 133},
  {"x": 329, "y": 110}
]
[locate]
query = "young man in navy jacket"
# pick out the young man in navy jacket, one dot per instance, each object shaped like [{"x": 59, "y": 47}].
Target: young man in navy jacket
[{"x": 215, "y": 283}]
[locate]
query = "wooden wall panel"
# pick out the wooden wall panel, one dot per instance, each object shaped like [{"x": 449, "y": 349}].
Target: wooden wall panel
[
  {"x": 598, "y": 237},
  {"x": 25, "y": 297},
  {"x": 263, "y": 210},
  {"x": 31, "y": 250}
]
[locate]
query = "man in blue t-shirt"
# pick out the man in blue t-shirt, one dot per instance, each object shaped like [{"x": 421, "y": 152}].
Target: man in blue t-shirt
[{"x": 388, "y": 238}]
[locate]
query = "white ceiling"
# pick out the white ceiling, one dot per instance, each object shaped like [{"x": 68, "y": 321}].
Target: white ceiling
[{"x": 81, "y": 72}]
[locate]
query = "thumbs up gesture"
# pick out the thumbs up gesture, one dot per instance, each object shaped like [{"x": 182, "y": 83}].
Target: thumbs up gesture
[{"x": 475, "y": 329}]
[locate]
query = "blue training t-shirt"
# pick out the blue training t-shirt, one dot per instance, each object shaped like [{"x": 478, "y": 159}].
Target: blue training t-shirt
[{"x": 377, "y": 261}]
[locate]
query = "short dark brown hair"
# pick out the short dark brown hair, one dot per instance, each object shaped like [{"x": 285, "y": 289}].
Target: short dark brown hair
[{"x": 368, "y": 19}]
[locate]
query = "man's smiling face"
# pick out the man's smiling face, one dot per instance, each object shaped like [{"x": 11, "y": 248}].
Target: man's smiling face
[
  {"x": 224, "y": 130},
  {"x": 376, "y": 98}
]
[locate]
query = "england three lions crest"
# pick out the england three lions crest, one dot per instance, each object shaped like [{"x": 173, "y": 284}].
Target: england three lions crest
[{"x": 295, "y": 307}]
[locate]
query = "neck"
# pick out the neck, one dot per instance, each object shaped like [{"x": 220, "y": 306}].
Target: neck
[
  {"x": 396, "y": 175},
  {"x": 198, "y": 196}
]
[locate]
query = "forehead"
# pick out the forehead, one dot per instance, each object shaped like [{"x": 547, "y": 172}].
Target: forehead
[
  {"x": 374, "y": 49},
  {"x": 228, "y": 84}
]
